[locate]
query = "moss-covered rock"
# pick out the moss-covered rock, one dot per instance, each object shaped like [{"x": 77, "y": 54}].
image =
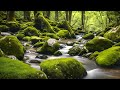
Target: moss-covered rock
[
  {"x": 15, "y": 69},
  {"x": 113, "y": 34},
  {"x": 4, "y": 28},
  {"x": 49, "y": 47},
  {"x": 13, "y": 26},
  {"x": 26, "y": 24},
  {"x": 64, "y": 34},
  {"x": 10, "y": 45},
  {"x": 94, "y": 55},
  {"x": 35, "y": 39},
  {"x": 88, "y": 36},
  {"x": 75, "y": 50},
  {"x": 57, "y": 53},
  {"x": 31, "y": 31},
  {"x": 51, "y": 35},
  {"x": 63, "y": 68},
  {"x": 109, "y": 57},
  {"x": 117, "y": 44},
  {"x": 38, "y": 44},
  {"x": 26, "y": 38},
  {"x": 98, "y": 44},
  {"x": 20, "y": 36}
]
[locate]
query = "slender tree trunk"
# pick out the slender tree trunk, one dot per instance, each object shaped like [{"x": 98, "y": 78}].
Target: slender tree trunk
[
  {"x": 83, "y": 20},
  {"x": 56, "y": 16},
  {"x": 67, "y": 15},
  {"x": 27, "y": 15},
  {"x": 48, "y": 14},
  {"x": 70, "y": 16},
  {"x": 35, "y": 12},
  {"x": 11, "y": 16}
]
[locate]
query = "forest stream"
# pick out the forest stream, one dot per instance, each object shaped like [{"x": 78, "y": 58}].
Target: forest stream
[{"x": 93, "y": 70}]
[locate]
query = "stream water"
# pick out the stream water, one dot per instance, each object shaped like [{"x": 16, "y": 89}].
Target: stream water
[{"x": 93, "y": 70}]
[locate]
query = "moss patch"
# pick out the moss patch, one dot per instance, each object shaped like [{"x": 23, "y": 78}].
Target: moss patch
[
  {"x": 88, "y": 36},
  {"x": 64, "y": 34},
  {"x": 14, "y": 69},
  {"x": 94, "y": 55},
  {"x": 63, "y": 68},
  {"x": 109, "y": 57},
  {"x": 10, "y": 45}
]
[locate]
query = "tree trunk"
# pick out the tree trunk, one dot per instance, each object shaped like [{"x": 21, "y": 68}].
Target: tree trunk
[
  {"x": 48, "y": 14},
  {"x": 67, "y": 15},
  {"x": 11, "y": 16},
  {"x": 83, "y": 20},
  {"x": 56, "y": 16},
  {"x": 70, "y": 16},
  {"x": 27, "y": 15}
]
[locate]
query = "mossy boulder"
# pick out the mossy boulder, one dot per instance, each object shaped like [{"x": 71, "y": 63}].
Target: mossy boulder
[
  {"x": 15, "y": 69},
  {"x": 109, "y": 57},
  {"x": 98, "y": 44},
  {"x": 63, "y": 34},
  {"x": 4, "y": 28},
  {"x": 88, "y": 36},
  {"x": 75, "y": 50},
  {"x": 31, "y": 31},
  {"x": 49, "y": 47},
  {"x": 63, "y": 68},
  {"x": 20, "y": 36},
  {"x": 13, "y": 26},
  {"x": 51, "y": 35},
  {"x": 10, "y": 45},
  {"x": 35, "y": 39},
  {"x": 117, "y": 44},
  {"x": 113, "y": 34},
  {"x": 38, "y": 44},
  {"x": 57, "y": 53},
  {"x": 94, "y": 55}
]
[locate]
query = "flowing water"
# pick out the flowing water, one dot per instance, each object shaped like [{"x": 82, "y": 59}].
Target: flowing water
[{"x": 93, "y": 70}]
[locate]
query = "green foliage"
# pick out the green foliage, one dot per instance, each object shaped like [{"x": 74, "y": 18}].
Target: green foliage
[
  {"x": 52, "y": 35},
  {"x": 14, "y": 69},
  {"x": 88, "y": 36},
  {"x": 98, "y": 44},
  {"x": 26, "y": 38},
  {"x": 10, "y": 45},
  {"x": 109, "y": 57},
  {"x": 35, "y": 39},
  {"x": 1, "y": 53},
  {"x": 20, "y": 36},
  {"x": 63, "y": 68}
]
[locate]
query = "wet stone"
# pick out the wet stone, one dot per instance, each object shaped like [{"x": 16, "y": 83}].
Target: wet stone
[
  {"x": 34, "y": 61},
  {"x": 42, "y": 56}
]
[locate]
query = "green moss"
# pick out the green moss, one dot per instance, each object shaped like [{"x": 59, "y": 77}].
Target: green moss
[
  {"x": 26, "y": 38},
  {"x": 35, "y": 39},
  {"x": 117, "y": 44},
  {"x": 31, "y": 31},
  {"x": 45, "y": 38},
  {"x": 26, "y": 24},
  {"x": 64, "y": 34},
  {"x": 4, "y": 28},
  {"x": 57, "y": 53},
  {"x": 88, "y": 36},
  {"x": 14, "y": 69},
  {"x": 20, "y": 36},
  {"x": 94, "y": 55},
  {"x": 98, "y": 44},
  {"x": 113, "y": 34},
  {"x": 56, "y": 29},
  {"x": 109, "y": 57},
  {"x": 52, "y": 35},
  {"x": 13, "y": 26},
  {"x": 75, "y": 50},
  {"x": 38, "y": 44},
  {"x": 10, "y": 45},
  {"x": 63, "y": 68},
  {"x": 47, "y": 49}
]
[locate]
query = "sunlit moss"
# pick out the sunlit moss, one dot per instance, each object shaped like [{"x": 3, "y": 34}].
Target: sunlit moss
[
  {"x": 63, "y": 68},
  {"x": 88, "y": 36},
  {"x": 14, "y": 69}
]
